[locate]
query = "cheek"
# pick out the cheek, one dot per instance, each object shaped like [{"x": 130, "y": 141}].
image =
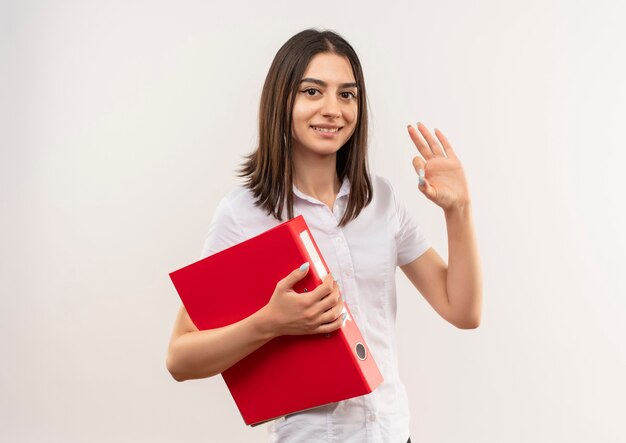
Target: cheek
[
  {"x": 297, "y": 115},
  {"x": 300, "y": 121},
  {"x": 351, "y": 115},
  {"x": 351, "y": 111},
  {"x": 351, "y": 118},
  {"x": 301, "y": 111}
]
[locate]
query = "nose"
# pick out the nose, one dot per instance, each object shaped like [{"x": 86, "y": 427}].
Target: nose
[{"x": 330, "y": 107}]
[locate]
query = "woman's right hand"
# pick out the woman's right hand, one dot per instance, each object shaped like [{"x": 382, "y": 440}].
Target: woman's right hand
[
  {"x": 291, "y": 313},
  {"x": 198, "y": 354}
]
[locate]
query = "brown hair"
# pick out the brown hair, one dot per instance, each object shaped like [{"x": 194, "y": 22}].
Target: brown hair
[{"x": 269, "y": 169}]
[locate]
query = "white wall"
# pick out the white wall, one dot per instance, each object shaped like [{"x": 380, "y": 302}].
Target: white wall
[{"x": 122, "y": 124}]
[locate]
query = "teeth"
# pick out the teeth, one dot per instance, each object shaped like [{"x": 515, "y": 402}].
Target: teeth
[{"x": 326, "y": 129}]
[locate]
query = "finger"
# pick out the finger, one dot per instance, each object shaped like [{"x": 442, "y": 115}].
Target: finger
[
  {"x": 330, "y": 300},
  {"x": 321, "y": 306},
  {"x": 294, "y": 277},
  {"x": 330, "y": 327},
  {"x": 325, "y": 288},
  {"x": 434, "y": 145},
  {"x": 419, "y": 142},
  {"x": 332, "y": 314},
  {"x": 446, "y": 144},
  {"x": 426, "y": 188},
  {"x": 420, "y": 165}
]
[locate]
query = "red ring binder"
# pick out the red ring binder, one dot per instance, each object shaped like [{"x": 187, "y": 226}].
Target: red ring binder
[{"x": 290, "y": 373}]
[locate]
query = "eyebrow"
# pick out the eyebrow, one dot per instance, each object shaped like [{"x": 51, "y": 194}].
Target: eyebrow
[{"x": 324, "y": 84}]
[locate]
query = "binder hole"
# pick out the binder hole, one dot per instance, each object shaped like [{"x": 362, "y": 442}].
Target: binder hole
[{"x": 361, "y": 352}]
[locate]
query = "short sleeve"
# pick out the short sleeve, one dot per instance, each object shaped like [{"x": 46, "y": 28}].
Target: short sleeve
[
  {"x": 410, "y": 240},
  {"x": 224, "y": 231}
]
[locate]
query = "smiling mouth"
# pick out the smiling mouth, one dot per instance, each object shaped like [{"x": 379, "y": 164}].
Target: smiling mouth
[{"x": 327, "y": 130}]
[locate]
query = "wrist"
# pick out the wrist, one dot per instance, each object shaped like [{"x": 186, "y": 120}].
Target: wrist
[
  {"x": 264, "y": 324},
  {"x": 459, "y": 209}
]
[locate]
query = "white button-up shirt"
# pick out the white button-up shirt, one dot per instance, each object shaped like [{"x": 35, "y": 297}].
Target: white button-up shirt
[{"x": 362, "y": 257}]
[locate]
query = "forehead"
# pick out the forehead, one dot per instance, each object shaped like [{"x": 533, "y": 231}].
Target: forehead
[{"x": 332, "y": 68}]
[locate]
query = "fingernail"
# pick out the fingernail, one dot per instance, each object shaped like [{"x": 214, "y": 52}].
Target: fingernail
[
  {"x": 421, "y": 172},
  {"x": 422, "y": 181},
  {"x": 304, "y": 267}
]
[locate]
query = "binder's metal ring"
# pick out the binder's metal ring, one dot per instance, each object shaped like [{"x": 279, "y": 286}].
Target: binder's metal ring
[{"x": 361, "y": 351}]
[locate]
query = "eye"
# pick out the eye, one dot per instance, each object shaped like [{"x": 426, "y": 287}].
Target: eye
[
  {"x": 311, "y": 91},
  {"x": 348, "y": 95}
]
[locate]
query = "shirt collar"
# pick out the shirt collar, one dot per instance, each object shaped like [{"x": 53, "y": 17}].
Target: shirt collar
[{"x": 344, "y": 191}]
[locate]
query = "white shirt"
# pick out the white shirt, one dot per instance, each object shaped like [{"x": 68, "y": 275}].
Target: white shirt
[{"x": 362, "y": 257}]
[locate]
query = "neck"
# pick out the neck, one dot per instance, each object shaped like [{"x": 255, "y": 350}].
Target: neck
[{"x": 316, "y": 175}]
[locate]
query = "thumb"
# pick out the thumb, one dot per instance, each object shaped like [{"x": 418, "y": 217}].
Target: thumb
[
  {"x": 419, "y": 163},
  {"x": 420, "y": 167},
  {"x": 295, "y": 276},
  {"x": 427, "y": 189}
]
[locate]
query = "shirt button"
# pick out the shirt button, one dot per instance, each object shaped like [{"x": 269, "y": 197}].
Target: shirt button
[
  {"x": 347, "y": 273},
  {"x": 372, "y": 417}
]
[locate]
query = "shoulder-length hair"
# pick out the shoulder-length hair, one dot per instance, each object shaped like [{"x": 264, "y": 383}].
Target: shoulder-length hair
[{"x": 268, "y": 171}]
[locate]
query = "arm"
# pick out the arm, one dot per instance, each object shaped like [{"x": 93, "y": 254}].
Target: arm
[
  {"x": 196, "y": 354},
  {"x": 453, "y": 290}
]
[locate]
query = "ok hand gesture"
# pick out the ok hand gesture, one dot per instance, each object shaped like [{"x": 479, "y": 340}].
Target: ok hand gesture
[{"x": 441, "y": 176}]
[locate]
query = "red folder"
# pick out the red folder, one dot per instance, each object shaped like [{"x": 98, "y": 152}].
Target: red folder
[{"x": 289, "y": 373}]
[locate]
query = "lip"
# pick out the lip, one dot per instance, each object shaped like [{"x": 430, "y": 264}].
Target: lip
[
  {"x": 326, "y": 126},
  {"x": 332, "y": 134}
]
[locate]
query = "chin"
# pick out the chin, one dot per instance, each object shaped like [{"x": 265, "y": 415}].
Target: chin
[{"x": 323, "y": 150}]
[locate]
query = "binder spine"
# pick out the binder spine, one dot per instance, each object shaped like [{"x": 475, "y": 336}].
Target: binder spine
[
  {"x": 349, "y": 331},
  {"x": 318, "y": 269},
  {"x": 360, "y": 353}
]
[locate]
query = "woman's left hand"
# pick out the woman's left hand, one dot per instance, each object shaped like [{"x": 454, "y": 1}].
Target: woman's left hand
[{"x": 443, "y": 179}]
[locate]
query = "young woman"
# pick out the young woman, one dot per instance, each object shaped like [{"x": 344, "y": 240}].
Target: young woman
[{"x": 312, "y": 160}]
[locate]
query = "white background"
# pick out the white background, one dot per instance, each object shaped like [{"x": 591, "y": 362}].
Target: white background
[{"x": 122, "y": 125}]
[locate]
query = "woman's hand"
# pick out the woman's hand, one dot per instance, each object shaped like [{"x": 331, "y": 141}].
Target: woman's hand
[
  {"x": 314, "y": 312},
  {"x": 441, "y": 179}
]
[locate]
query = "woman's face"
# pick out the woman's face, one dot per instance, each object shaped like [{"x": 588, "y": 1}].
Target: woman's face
[{"x": 325, "y": 108}]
